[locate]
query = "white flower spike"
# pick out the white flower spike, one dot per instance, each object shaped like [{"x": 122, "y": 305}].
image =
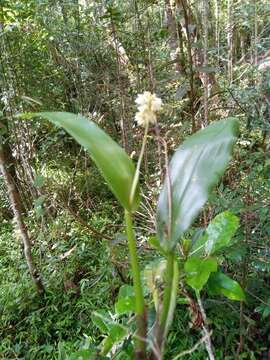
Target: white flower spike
[{"x": 148, "y": 105}]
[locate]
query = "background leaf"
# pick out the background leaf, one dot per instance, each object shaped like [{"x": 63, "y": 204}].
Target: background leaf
[
  {"x": 220, "y": 283},
  {"x": 126, "y": 300},
  {"x": 112, "y": 161},
  {"x": 195, "y": 169},
  {"x": 218, "y": 234},
  {"x": 198, "y": 271},
  {"x": 116, "y": 335},
  {"x": 101, "y": 319},
  {"x": 156, "y": 244}
]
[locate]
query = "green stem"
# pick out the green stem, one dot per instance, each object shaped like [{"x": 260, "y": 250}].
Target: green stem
[
  {"x": 140, "y": 307},
  {"x": 137, "y": 172}
]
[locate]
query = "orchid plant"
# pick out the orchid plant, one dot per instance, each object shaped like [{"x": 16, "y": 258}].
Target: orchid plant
[{"x": 194, "y": 170}]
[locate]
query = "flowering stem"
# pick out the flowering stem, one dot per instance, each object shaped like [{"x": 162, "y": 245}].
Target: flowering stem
[
  {"x": 140, "y": 307},
  {"x": 137, "y": 172}
]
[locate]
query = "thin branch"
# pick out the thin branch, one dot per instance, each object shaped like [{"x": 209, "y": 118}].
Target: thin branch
[
  {"x": 208, "y": 344},
  {"x": 193, "y": 349}
]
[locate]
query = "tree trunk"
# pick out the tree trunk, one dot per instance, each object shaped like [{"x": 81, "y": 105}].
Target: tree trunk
[
  {"x": 173, "y": 37},
  {"x": 255, "y": 33},
  {"x": 217, "y": 30},
  {"x": 15, "y": 203},
  {"x": 230, "y": 40},
  {"x": 183, "y": 4},
  {"x": 205, "y": 61}
]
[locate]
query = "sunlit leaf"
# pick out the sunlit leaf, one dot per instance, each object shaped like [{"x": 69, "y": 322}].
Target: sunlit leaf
[
  {"x": 218, "y": 234},
  {"x": 112, "y": 161},
  {"x": 198, "y": 271},
  {"x": 221, "y": 284},
  {"x": 194, "y": 170}
]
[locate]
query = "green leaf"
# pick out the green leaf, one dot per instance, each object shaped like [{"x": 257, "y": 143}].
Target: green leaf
[
  {"x": 221, "y": 284},
  {"x": 101, "y": 320},
  {"x": 125, "y": 291},
  {"x": 194, "y": 170},
  {"x": 198, "y": 271},
  {"x": 116, "y": 335},
  {"x": 125, "y": 305},
  {"x": 266, "y": 312},
  {"x": 218, "y": 234},
  {"x": 126, "y": 302},
  {"x": 85, "y": 354},
  {"x": 114, "y": 164},
  {"x": 107, "y": 325},
  {"x": 156, "y": 244},
  {"x": 39, "y": 181}
]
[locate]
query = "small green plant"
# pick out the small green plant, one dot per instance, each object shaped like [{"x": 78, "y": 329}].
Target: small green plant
[{"x": 192, "y": 173}]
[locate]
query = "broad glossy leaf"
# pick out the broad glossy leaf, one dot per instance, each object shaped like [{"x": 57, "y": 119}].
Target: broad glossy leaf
[
  {"x": 195, "y": 169},
  {"x": 218, "y": 234},
  {"x": 221, "y": 284},
  {"x": 112, "y": 161},
  {"x": 198, "y": 271}
]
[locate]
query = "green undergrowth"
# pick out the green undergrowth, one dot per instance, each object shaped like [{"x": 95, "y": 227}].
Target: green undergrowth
[
  {"x": 79, "y": 277},
  {"x": 82, "y": 273}
]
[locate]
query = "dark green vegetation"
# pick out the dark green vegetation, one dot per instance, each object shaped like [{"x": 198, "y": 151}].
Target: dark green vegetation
[{"x": 93, "y": 58}]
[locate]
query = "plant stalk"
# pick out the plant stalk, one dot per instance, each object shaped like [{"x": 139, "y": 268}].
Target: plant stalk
[
  {"x": 140, "y": 306},
  {"x": 15, "y": 202},
  {"x": 137, "y": 172}
]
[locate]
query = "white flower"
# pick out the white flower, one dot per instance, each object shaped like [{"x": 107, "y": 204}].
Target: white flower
[{"x": 148, "y": 105}]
